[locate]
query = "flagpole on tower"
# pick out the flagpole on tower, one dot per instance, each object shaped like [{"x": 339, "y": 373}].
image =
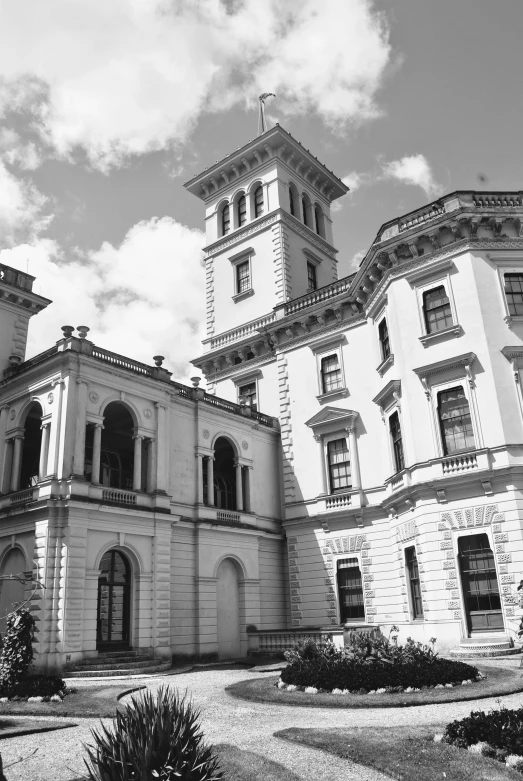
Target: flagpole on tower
[{"x": 262, "y": 124}]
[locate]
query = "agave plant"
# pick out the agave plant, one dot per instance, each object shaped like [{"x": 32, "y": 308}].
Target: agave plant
[{"x": 153, "y": 737}]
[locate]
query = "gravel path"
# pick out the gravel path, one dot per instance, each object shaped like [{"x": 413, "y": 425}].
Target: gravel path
[{"x": 248, "y": 725}]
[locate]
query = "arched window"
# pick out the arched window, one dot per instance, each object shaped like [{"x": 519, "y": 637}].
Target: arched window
[
  {"x": 318, "y": 221},
  {"x": 30, "y": 466},
  {"x": 116, "y": 456},
  {"x": 305, "y": 208},
  {"x": 226, "y": 219},
  {"x": 224, "y": 475},
  {"x": 291, "y": 202},
  {"x": 258, "y": 201},
  {"x": 242, "y": 210},
  {"x": 114, "y": 586}
]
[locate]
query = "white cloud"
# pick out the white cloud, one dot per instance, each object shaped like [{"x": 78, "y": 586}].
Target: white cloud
[
  {"x": 21, "y": 208},
  {"x": 142, "y": 298},
  {"x": 354, "y": 180},
  {"x": 130, "y": 76},
  {"x": 416, "y": 170}
]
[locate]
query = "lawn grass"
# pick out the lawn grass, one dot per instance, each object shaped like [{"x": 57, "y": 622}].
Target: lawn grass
[
  {"x": 499, "y": 682},
  {"x": 12, "y": 728},
  {"x": 240, "y": 765},
  {"x": 404, "y": 753},
  {"x": 89, "y": 701}
]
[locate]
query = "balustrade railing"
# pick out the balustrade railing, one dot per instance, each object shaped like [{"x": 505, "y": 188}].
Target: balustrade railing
[
  {"x": 241, "y": 332},
  {"x": 316, "y": 296},
  {"x": 491, "y": 200},
  {"x": 118, "y": 497},
  {"x": 21, "y": 497},
  {"x": 418, "y": 218},
  {"x": 397, "y": 482},
  {"x": 122, "y": 362},
  {"x": 227, "y": 516},
  {"x": 271, "y": 642},
  {"x": 337, "y": 501},
  {"x": 459, "y": 463}
]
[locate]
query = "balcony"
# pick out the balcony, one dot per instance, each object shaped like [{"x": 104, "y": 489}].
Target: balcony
[
  {"x": 227, "y": 517},
  {"x": 338, "y": 501},
  {"x": 461, "y": 463}
]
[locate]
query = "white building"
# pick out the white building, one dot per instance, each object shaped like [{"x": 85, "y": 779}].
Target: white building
[{"x": 165, "y": 520}]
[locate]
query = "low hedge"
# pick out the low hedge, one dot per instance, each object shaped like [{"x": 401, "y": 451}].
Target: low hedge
[
  {"x": 501, "y": 729},
  {"x": 354, "y": 675},
  {"x": 34, "y": 686}
]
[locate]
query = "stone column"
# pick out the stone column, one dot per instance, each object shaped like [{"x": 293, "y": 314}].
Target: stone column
[
  {"x": 137, "y": 471},
  {"x": 44, "y": 451},
  {"x": 199, "y": 478},
  {"x": 17, "y": 462},
  {"x": 150, "y": 466},
  {"x": 79, "y": 444},
  {"x": 210, "y": 481},
  {"x": 248, "y": 492},
  {"x": 97, "y": 452},
  {"x": 239, "y": 487},
  {"x": 161, "y": 473},
  {"x": 4, "y": 412},
  {"x": 5, "y": 485},
  {"x": 355, "y": 461}
]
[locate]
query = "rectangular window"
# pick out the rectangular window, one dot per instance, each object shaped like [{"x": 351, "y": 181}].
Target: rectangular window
[
  {"x": 339, "y": 465},
  {"x": 415, "y": 588},
  {"x": 350, "y": 590},
  {"x": 383, "y": 334},
  {"x": 514, "y": 294},
  {"x": 455, "y": 421},
  {"x": 243, "y": 277},
  {"x": 437, "y": 310},
  {"x": 331, "y": 378},
  {"x": 312, "y": 282},
  {"x": 249, "y": 391},
  {"x": 397, "y": 442}
]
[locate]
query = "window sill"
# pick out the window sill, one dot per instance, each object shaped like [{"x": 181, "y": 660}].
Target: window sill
[
  {"x": 339, "y": 393},
  {"x": 386, "y": 364},
  {"x": 241, "y": 296},
  {"x": 454, "y": 330}
]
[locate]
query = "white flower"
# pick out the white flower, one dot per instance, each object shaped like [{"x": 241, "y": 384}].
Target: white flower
[
  {"x": 345, "y": 691},
  {"x": 381, "y": 691},
  {"x": 35, "y": 699},
  {"x": 515, "y": 761},
  {"x": 479, "y": 748},
  {"x": 465, "y": 683},
  {"x": 438, "y": 737},
  {"x": 337, "y": 691},
  {"x": 56, "y": 698},
  {"x": 311, "y": 690},
  {"x": 439, "y": 686},
  {"x": 4, "y": 699},
  {"x": 408, "y": 690},
  {"x": 448, "y": 686},
  {"x": 373, "y": 691},
  {"x": 281, "y": 685}
]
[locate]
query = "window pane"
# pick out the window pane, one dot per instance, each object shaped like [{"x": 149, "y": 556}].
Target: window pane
[
  {"x": 242, "y": 210},
  {"x": 243, "y": 281},
  {"x": 383, "y": 333},
  {"x": 514, "y": 293},
  {"x": 350, "y": 592},
  {"x": 415, "y": 587},
  {"x": 438, "y": 314},
  {"x": 226, "y": 220},
  {"x": 258, "y": 202},
  {"x": 311, "y": 276},
  {"x": 397, "y": 441},
  {"x": 339, "y": 465},
  {"x": 331, "y": 373},
  {"x": 455, "y": 420},
  {"x": 249, "y": 391}
]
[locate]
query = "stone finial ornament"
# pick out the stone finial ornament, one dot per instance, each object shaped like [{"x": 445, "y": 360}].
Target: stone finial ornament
[
  {"x": 158, "y": 360},
  {"x": 195, "y": 381},
  {"x": 67, "y": 331},
  {"x": 82, "y": 331}
]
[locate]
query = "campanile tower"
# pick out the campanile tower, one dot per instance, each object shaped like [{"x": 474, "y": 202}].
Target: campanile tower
[{"x": 268, "y": 240}]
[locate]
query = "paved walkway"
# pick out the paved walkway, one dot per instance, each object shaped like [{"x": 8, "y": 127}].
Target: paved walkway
[{"x": 248, "y": 725}]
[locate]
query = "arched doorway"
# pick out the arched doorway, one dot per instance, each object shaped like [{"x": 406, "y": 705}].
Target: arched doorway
[
  {"x": 11, "y": 591},
  {"x": 114, "y": 602},
  {"x": 228, "y": 610},
  {"x": 224, "y": 475}
]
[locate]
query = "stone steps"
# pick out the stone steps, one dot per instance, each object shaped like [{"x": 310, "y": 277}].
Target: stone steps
[
  {"x": 116, "y": 663},
  {"x": 485, "y": 646}
]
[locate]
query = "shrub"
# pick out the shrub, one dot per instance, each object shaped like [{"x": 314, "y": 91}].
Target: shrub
[
  {"x": 371, "y": 663},
  {"x": 502, "y": 729},
  {"x": 157, "y": 738},
  {"x": 17, "y": 651},
  {"x": 35, "y": 686}
]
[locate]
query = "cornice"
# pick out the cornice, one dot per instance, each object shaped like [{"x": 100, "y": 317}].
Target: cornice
[
  {"x": 238, "y": 368},
  {"x": 466, "y": 359}
]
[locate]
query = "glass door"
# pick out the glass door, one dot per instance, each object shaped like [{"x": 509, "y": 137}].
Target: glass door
[
  {"x": 350, "y": 591},
  {"x": 480, "y": 584},
  {"x": 113, "y": 602}
]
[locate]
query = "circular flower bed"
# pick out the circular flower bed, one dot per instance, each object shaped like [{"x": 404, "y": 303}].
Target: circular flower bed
[
  {"x": 35, "y": 688},
  {"x": 291, "y": 687},
  {"x": 372, "y": 664}
]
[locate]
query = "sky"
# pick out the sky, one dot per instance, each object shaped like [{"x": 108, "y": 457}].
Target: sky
[{"x": 107, "y": 108}]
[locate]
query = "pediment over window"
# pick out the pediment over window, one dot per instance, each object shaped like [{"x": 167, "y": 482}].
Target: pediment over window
[{"x": 332, "y": 419}]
